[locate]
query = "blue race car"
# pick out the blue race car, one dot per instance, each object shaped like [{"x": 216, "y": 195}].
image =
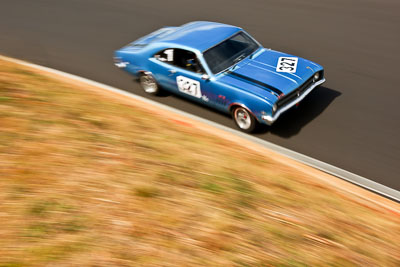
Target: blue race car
[{"x": 223, "y": 67}]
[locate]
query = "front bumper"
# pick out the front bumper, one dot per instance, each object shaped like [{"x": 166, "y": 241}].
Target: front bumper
[{"x": 271, "y": 119}]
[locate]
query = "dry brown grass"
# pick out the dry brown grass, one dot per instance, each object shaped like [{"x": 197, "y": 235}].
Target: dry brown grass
[{"x": 89, "y": 181}]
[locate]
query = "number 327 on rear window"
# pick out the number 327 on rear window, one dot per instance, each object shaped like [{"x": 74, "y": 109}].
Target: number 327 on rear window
[{"x": 287, "y": 64}]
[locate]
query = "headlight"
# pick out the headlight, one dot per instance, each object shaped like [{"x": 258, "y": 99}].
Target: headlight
[
  {"x": 274, "y": 107},
  {"x": 316, "y": 77}
]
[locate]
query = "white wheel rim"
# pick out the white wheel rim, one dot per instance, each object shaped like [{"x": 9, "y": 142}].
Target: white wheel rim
[
  {"x": 148, "y": 84},
  {"x": 242, "y": 118}
]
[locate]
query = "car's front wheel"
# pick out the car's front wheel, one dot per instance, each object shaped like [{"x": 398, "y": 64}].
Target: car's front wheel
[
  {"x": 244, "y": 120},
  {"x": 149, "y": 84}
]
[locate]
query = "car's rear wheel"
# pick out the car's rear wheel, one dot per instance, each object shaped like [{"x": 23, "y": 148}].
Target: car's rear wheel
[
  {"x": 149, "y": 84},
  {"x": 244, "y": 120}
]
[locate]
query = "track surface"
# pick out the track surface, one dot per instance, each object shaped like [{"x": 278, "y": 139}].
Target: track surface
[{"x": 352, "y": 122}]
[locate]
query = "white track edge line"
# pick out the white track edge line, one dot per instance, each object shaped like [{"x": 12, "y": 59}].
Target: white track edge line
[{"x": 325, "y": 167}]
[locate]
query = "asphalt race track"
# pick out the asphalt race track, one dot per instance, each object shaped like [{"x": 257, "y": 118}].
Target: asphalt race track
[{"x": 352, "y": 122}]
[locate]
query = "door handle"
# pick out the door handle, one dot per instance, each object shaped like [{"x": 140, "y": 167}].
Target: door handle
[{"x": 172, "y": 71}]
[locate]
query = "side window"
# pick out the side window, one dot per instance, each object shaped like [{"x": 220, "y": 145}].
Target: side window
[{"x": 180, "y": 58}]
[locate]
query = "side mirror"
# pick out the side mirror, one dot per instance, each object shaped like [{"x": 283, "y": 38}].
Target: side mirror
[{"x": 205, "y": 77}]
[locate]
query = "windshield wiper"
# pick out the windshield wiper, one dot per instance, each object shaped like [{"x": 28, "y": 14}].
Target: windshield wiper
[
  {"x": 239, "y": 58},
  {"x": 230, "y": 69},
  {"x": 235, "y": 61}
]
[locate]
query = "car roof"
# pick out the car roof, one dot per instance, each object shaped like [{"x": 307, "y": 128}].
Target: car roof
[{"x": 200, "y": 35}]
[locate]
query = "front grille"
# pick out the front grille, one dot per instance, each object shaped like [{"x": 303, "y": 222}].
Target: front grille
[{"x": 295, "y": 93}]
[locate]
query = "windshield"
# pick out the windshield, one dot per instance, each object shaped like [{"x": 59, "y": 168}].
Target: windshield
[{"x": 230, "y": 52}]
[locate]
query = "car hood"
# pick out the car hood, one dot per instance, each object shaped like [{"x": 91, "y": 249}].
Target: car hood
[{"x": 260, "y": 70}]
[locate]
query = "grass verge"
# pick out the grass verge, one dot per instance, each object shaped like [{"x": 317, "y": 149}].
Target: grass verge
[{"x": 89, "y": 180}]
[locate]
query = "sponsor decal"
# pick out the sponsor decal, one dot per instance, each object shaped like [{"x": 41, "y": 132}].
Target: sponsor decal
[
  {"x": 205, "y": 98},
  {"x": 287, "y": 64}
]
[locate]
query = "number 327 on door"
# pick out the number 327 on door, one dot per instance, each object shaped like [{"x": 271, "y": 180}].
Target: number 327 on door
[{"x": 188, "y": 86}]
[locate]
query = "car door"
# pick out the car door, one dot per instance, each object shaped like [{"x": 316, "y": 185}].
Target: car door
[{"x": 179, "y": 71}]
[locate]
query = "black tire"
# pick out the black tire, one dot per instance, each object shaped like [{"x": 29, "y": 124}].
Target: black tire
[
  {"x": 149, "y": 84},
  {"x": 244, "y": 119}
]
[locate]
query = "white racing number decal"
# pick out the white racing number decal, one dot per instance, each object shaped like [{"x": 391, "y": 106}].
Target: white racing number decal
[
  {"x": 170, "y": 54},
  {"x": 188, "y": 86},
  {"x": 287, "y": 64}
]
